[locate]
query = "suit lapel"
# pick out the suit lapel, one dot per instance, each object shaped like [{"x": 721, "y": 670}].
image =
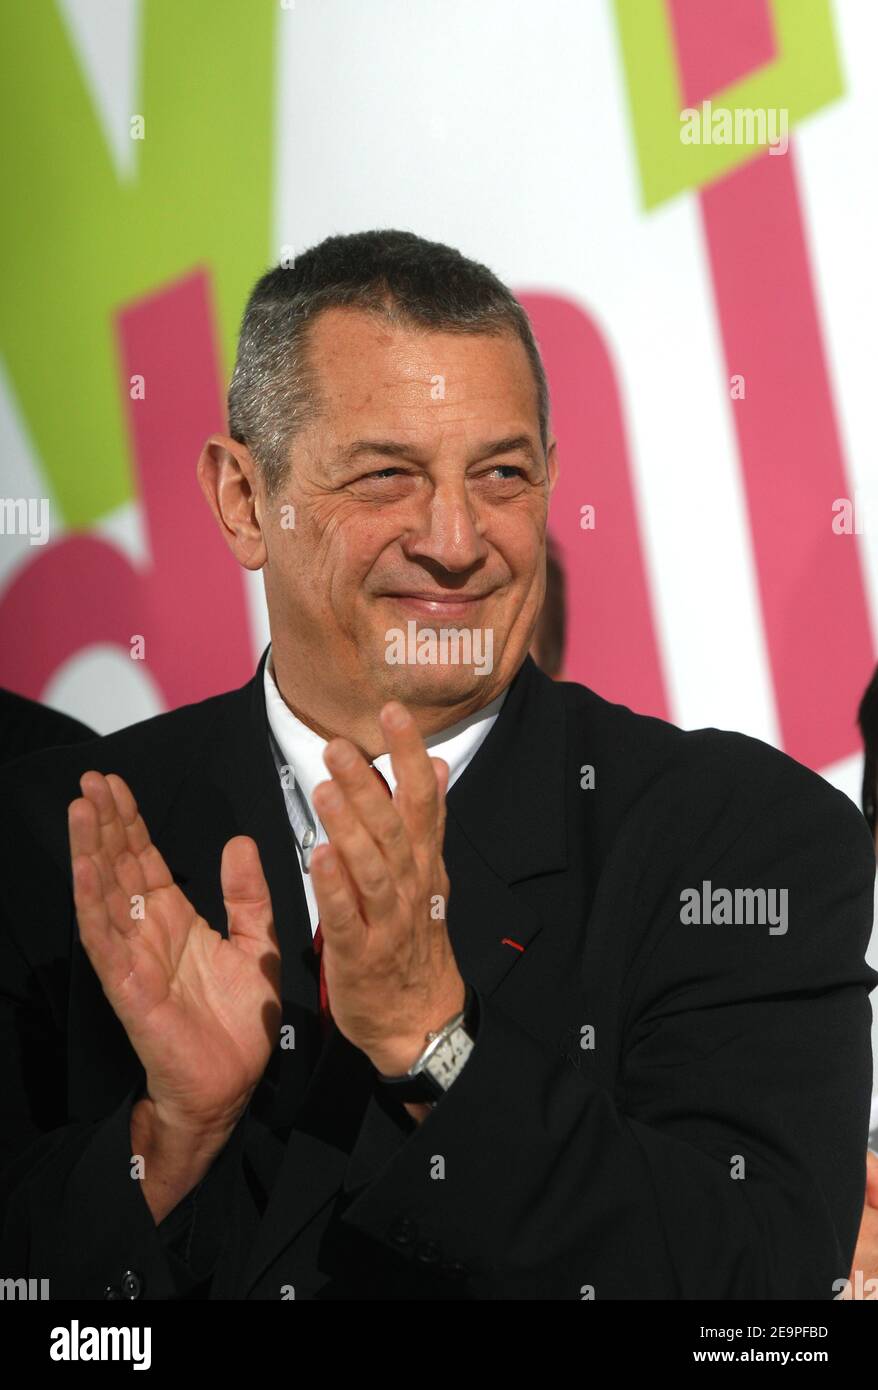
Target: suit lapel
[{"x": 505, "y": 824}]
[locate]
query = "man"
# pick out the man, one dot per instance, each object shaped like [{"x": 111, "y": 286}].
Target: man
[{"x": 475, "y": 1039}]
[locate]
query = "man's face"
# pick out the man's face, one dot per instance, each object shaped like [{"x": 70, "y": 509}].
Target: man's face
[{"x": 419, "y": 500}]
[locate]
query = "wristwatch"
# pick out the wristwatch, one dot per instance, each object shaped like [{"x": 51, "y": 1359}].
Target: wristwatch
[{"x": 442, "y": 1060}]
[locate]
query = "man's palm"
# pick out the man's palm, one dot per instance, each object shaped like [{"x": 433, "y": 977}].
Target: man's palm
[{"x": 202, "y": 1012}]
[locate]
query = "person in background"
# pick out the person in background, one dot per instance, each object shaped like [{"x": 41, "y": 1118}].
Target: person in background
[
  {"x": 550, "y": 637},
  {"x": 26, "y": 726},
  {"x": 866, "y": 1253}
]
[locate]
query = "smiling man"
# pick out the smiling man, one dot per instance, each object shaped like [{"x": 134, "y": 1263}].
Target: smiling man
[{"x": 374, "y": 980}]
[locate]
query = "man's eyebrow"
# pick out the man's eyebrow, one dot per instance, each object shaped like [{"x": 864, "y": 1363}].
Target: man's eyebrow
[{"x": 391, "y": 448}]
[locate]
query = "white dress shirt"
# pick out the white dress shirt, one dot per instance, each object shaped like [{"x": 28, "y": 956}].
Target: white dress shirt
[{"x": 298, "y": 756}]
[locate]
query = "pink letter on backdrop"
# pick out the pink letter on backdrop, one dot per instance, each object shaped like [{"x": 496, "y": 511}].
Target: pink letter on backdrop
[
  {"x": 810, "y": 580},
  {"x": 717, "y": 44},
  {"x": 611, "y": 640},
  {"x": 189, "y": 603}
]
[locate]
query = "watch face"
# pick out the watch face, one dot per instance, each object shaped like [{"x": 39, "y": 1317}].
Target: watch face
[{"x": 447, "y": 1061}]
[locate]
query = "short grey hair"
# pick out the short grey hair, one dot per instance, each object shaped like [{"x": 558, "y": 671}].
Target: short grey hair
[{"x": 398, "y": 275}]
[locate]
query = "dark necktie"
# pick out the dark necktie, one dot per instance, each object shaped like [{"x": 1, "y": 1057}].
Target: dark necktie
[{"x": 325, "y": 1015}]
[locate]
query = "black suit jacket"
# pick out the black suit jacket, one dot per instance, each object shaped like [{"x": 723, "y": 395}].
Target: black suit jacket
[{"x": 706, "y": 1139}]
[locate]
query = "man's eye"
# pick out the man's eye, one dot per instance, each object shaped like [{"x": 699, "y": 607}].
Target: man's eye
[
  {"x": 508, "y": 468},
  {"x": 510, "y": 471}
]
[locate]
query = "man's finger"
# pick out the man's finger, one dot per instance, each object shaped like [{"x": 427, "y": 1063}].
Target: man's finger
[
  {"x": 367, "y": 868},
  {"x": 84, "y": 830},
  {"x": 417, "y": 791},
  {"x": 340, "y": 920},
  {"x": 377, "y": 811},
  {"x": 442, "y": 771},
  {"x": 247, "y": 898},
  {"x": 137, "y": 836},
  {"x": 105, "y": 947},
  {"x": 111, "y": 832}
]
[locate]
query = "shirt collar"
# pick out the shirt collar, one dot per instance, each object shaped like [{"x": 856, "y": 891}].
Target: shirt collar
[{"x": 298, "y": 755}]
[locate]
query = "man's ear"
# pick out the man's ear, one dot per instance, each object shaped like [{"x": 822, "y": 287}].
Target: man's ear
[
  {"x": 552, "y": 466},
  {"x": 229, "y": 478}
]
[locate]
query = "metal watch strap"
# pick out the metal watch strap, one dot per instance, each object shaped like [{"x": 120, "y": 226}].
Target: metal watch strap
[{"x": 417, "y": 1085}]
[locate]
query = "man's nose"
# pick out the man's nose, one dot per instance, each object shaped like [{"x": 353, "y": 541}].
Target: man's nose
[{"x": 450, "y": 531}]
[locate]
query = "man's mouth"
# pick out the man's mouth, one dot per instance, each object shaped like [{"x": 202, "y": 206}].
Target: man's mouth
[
  {"x": 438, "y": 605},
  {"x": 448, "y": 603}
]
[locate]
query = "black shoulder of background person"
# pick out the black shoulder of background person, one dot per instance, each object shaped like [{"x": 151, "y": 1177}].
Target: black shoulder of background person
[
  {"x": 26, "y": 726},
  {"x": 719, "y": 773},
  {"x": 153, "y": 756}
]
